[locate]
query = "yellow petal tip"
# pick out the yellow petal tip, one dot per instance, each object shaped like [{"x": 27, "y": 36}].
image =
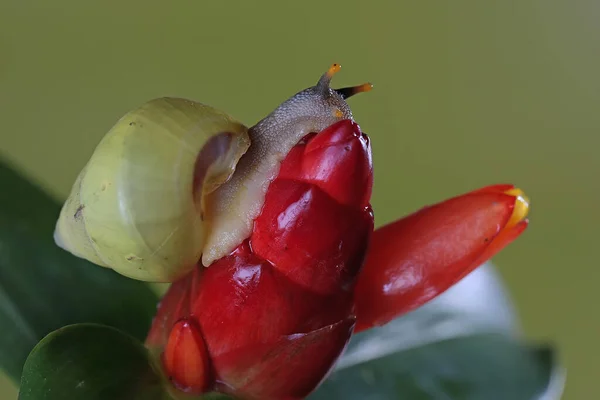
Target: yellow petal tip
[{"x": 521, "y": 208}]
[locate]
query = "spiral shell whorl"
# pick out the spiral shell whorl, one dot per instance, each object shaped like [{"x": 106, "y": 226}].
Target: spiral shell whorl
[{"x": 136, "y": 207}]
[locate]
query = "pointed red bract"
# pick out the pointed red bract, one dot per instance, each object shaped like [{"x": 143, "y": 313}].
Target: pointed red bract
[
  {"x": 310, "y": 238},
  {"x": 243, "y": 300},
  {"x": 413, "y": 260},
  {"x": 185, "y": 358},
  {"x": 338, "y": 161},
  {"x": 316, "y": 220},
  {"x": 288, "y": 368}
]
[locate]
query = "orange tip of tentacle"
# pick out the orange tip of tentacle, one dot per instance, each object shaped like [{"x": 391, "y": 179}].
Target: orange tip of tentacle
[
  {"x": 521, "y": 209},
  {"x": 334, "y": 69},
  {"x": 325, "y": 79},
  {"x": 346, "y": 92},
  {"x": 352, "y": 90}
]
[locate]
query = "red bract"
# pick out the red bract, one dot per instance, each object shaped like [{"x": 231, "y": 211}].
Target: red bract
[
  {"x": 284, "y": 296},
  {"x": 269, "y": 320},
  {"x": 415, "y": 259}
]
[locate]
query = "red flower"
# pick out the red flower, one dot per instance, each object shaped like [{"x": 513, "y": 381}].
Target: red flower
[
  {"x": 271, "y": 319},
  {"x": 416, "y": 258}
]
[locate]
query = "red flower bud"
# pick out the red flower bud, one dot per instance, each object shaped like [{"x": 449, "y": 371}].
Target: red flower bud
[
  {"x": 416, "y": 258},
  {"x": 274, "y": 316},
  {"x": 269, "y": 320}
]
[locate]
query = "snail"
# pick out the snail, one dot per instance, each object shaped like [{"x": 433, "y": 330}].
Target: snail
[{"x": 175, "y": 182}]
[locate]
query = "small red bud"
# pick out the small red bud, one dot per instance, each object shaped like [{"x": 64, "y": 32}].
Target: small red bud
[{"x": 186, "y": 359}]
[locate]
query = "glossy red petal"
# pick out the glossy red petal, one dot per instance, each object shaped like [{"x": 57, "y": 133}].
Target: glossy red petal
[
  {"x": 415, "y": 259},
  {"x": 310, "y": 238},
  {"x": 185, "y": 358},
  {"x": 242, "y": 300},
  {"x": 504, "y": 238},
  {"x": 316, "y": 222},
  {"x": 338, "y": 160},
  {"x": 288, "y": 368}
]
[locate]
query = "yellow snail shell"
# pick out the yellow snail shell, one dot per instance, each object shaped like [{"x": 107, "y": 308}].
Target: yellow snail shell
[{"x": 135, "y": 207}]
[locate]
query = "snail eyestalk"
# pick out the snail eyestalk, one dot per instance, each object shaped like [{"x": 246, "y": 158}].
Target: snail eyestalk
[
  {"x": 324, "y": 84},
  {"x": 326, "y": 77},
  {"x": 352, "y": 90}
]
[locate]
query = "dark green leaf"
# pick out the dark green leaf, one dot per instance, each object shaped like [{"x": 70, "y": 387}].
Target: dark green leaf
[
  {"x": 43, "y": 288},
  {"x": 464, "y": 345},
  {"x": 90, "y": 362},
  {"x": 216, "y": 396},
  {"x": 481, "y": 367}
]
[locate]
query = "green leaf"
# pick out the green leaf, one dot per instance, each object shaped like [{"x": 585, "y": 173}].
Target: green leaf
[
  {"x": 43, "y": 288},
  {"x": 464, "y": 345},
  {"x": 486, "y": 367},
  {"x": 217, "y": 396},
  {"x": 90, "y": 362}
]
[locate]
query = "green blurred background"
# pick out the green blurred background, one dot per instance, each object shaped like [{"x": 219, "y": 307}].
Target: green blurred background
[{"x": 466, "y": 94}]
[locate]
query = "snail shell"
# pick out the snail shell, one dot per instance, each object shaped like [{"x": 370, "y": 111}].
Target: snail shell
[
  {"x": 175, "y": 182},
  {"x": 137, "y": 206}
]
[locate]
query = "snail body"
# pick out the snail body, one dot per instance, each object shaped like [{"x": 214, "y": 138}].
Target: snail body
[
  {"x": 175, "y": 181},
  {"x": 310, "y": 110}
]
